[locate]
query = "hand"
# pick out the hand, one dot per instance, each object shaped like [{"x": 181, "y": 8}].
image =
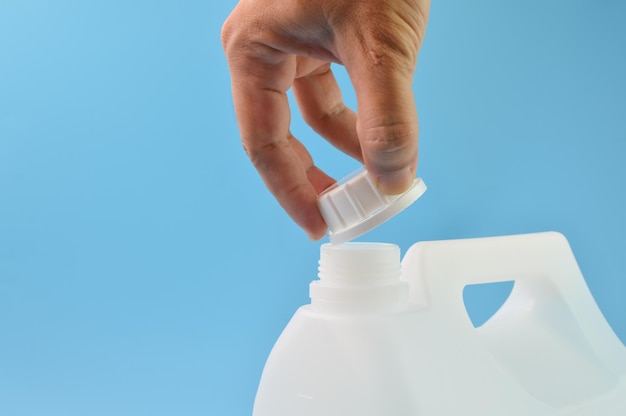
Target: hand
[{"x": 275, "y": 45}]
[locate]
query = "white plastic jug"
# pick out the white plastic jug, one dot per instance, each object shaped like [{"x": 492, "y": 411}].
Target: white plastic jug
[{"x": 381, "y": 338}]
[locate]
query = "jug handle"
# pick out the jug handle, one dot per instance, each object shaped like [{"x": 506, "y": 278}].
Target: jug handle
[{"x": 438, "y": 271}]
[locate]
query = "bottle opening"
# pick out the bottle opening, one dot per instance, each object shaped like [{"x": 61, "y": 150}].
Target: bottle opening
[{"x": 358, "y": 277}]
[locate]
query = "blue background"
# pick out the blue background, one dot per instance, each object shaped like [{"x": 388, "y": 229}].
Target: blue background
[{"x": 145, "y": 269}]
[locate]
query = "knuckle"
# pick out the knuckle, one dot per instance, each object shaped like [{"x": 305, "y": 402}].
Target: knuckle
[
  {"x": 396, "y": 52},
  {"x": 239, "y": 33},
  {"x": 387, "y": 142},
  {"x": 230, "y": 31},
  {"x": 262, "y": 155},
  {"x": 226, "y": 33},
  {"x": 392, "y": 37}
]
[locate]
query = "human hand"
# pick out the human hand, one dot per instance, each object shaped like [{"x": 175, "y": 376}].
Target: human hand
[{"x": 274, "y": 45}]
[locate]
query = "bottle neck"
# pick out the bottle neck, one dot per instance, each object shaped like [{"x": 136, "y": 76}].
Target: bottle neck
[{"x": 358, "y": 277}]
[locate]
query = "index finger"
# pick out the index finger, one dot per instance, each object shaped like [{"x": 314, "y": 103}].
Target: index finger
[{"x": 261, "y": 75}]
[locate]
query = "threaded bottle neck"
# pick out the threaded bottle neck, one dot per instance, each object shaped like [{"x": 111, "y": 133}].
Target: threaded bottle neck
[
  {"x": 358, "y": 277},
  {"x": 359, "y": 263}
]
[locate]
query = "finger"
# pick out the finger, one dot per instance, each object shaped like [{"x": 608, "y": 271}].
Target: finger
[
  {"x": 321, "y": 105},
  {"x": 261, "y": 76},
  {"x": 318, "y": 178},
  {"x": 387, "y": 126}
]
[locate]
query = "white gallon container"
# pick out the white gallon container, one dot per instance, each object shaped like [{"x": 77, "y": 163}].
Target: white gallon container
[{"x": 385, "y": 338}]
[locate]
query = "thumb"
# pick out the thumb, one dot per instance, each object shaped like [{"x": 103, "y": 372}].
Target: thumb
[{"x": 387, "y": 126}]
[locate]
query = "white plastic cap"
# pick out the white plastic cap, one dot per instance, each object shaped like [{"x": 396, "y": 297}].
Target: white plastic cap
[{"x": 354, "y": 205}]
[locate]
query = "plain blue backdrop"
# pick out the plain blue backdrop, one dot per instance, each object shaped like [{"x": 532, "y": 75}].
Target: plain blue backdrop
[{"x": 145, "y": 269}]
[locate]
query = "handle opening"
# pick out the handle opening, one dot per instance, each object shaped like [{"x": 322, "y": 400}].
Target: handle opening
[{"x": 484, "y": 300}]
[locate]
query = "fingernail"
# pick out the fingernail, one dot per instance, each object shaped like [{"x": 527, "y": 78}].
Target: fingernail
[
  {"x": 394, "y": 183},
  {"x": 315, "y": 236},
  {"x": 311, "y": 235},
  {"x": 317, "y": 232}
]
